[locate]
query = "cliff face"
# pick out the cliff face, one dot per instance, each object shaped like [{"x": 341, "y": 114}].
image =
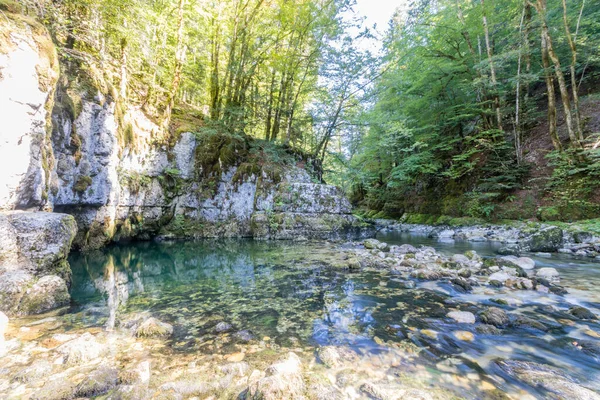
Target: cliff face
[
  {"x": 28, "y": 75},
  {"x": 75, "y": 150}
]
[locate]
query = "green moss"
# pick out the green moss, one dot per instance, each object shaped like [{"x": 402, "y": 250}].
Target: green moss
[
  {"x": 11, "y": 6},
  {"x": 82, "y": 184},
  {"x": 135, "y": 181}
]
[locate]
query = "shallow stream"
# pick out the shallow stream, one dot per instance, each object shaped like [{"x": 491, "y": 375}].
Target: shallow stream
[{"x": 285, "y": 296}]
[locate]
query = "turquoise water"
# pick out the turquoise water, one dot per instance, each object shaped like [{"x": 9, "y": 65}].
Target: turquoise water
[{"x": 294, "y": 295}]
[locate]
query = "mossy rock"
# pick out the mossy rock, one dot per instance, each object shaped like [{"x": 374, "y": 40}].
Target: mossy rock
[
  {"x": 11, "y": 6},
  {"x": 82, "y": 184},
  {"x": 548, "y": 239}
]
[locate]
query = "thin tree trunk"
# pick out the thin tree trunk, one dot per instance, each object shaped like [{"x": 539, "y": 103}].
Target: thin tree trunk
[
  {"x": 123, "y": 83},
  {"x": 492, "y": 68},
  {"x": 214, "y": 76},
  {"x": 562, "y": 84},
  {"x": 551, "y": 97},
  {"x": 179, "y": 57},
  {"x": 270, "y": 108},
  {"x": 517, "y": 124},
  {"x": 573, "y": 46}
]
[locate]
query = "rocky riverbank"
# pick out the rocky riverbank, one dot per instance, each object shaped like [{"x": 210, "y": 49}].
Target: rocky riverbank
[{"x": 521, "y": 238}]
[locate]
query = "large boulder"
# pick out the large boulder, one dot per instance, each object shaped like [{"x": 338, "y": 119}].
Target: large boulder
[
  {"x": 548, "y": 239},
  {"x": 34, "y": 272}
]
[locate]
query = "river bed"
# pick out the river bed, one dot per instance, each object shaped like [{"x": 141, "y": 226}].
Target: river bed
[{"x": 357, "y": 333}]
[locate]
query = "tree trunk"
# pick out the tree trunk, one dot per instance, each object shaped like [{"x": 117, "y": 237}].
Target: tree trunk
[
  {"x": 270, "y": 108},
  {"x": 551, "y": 97},
  {"x": 123, "y": 83},
  {"x": 573, "y": 46},
  {"x": 562, "y": 84},
  {"x": 214, "y": 76},
  {"x": 517, "y": 124},
  {"x": 179, "y": 57},
  {"x": 492, "y": 68}
]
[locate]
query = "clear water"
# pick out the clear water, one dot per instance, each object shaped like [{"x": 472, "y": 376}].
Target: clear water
[{"x": 290, "y": 293}]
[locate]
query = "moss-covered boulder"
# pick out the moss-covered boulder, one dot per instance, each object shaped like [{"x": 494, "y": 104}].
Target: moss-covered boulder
[
  {"x": 34, "y": 272},
  {"x": 548, "y": 239}
]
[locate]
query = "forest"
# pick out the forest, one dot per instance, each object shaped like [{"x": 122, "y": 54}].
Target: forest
[{"x": 480, "y": 109}]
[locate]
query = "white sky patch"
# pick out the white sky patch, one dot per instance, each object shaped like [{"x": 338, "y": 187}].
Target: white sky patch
[{"x": 379, "y": 13}]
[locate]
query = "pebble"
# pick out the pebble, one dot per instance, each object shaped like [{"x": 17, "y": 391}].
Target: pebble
[
  {"x": 235, "y": 357},
  {"x": 592, "y": 333},
  {"x": 465, "y": 336},
  {"x": 462, "y": 317},
  {"x": 430, "y": 333}
]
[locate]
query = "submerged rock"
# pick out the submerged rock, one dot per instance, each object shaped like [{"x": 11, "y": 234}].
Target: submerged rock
[
  {"x": 556, "y": 383},
  {"x": 486, "y": 329},
  {"x": 494, "y": 316},
  {"x": 223, "y": 327},
  {"x": 81, "y": 350},
  {"x": 283, "y": 380},
  {"x": 152, "y": 327},
  {"x": 509, "y": 251},
  {"x": 462, "y": 317},
  {"x": 98, "y": 382},
  {"x": 333, "y": 356},
  {"x": 582, "y": 313},
  {"x": 244, "y": 336},
  {"x": 465, "y": 336},
  {"x": 522, "y": 321}
]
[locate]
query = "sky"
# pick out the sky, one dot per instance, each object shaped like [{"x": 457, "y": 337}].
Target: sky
[{"x": 379, "y": 11}]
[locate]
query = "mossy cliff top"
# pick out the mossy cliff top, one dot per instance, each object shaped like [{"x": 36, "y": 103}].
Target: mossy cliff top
[{"x": 217, "y": 152}]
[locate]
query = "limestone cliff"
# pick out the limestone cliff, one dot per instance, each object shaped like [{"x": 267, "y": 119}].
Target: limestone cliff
[
  {"x": 74, "y": 148},
  {"x": 28, "y": 75}
]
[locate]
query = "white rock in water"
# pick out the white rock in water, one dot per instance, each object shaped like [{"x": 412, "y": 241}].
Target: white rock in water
[
  {"x": 523, "y": 262},
  {"x": 462, "y": 317},
  {"x": 81, "y": 350},
  {"x": 500, "y": 277},
  {"x": 550, "y": 274},
  {"x": 461, "y": 259},
  {"x": 446, "y": 233}
]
